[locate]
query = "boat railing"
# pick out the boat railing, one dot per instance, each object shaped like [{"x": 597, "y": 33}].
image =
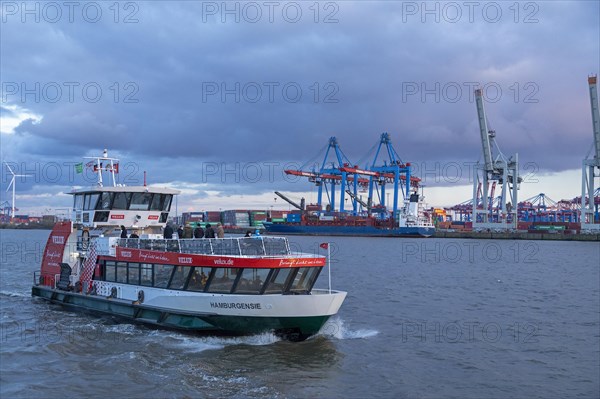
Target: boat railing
[{"x": 245, "y": 246}]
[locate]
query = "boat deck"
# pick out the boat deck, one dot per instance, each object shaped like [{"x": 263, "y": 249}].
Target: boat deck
[{"x": 244, "y": 246}]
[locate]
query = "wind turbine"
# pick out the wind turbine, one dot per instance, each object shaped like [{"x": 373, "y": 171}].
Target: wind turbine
[{"x": 13, "y": 184}]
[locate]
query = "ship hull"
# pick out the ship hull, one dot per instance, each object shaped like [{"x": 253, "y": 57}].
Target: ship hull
[
  {"x": 340, "y": 230},
  {"x": 293, "y": 328}
]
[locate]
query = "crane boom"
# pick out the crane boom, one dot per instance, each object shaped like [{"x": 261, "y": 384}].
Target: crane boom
[
  {"x": 595, "y": 116},
  {"x": 483, "y": 130},
  {"x": 355, "y": 198},
  {"x": 292, "y": 203}
]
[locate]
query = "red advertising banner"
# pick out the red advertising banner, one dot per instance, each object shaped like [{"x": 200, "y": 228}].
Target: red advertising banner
[{"x": 175, "y": 258}]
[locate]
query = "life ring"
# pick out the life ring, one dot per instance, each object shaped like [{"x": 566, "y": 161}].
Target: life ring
[
  {"x": 113, "y": 292},
  {"x": 85, "y": 239},
  {"x": 140, "y": 296}
]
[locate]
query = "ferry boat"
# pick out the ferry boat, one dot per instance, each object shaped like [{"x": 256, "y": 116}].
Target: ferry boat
[{"x": 232, "y": 286}]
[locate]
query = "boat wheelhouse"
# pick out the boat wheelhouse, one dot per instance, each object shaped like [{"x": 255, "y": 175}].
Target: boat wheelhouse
[{"x": 229, "y": 285}]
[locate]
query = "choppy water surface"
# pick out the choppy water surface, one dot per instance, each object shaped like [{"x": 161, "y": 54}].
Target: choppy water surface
[{"x": 424, "y": 318}]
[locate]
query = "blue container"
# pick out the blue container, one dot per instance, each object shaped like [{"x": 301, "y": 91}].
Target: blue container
[{"x": 294, "y": 217}]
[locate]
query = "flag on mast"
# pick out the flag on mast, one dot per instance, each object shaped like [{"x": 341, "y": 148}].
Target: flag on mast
[{"x": 325, "y": 245}]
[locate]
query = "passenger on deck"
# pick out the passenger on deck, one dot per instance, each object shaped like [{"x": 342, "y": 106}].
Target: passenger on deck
[
  {"x": 220, "y": 231},
  {"x": 168, "y": 232},
  {"x": 123, "y": 232},
  {"x": 198, "y": 232},
  {"x": 209, "y": 232},
  {"x": 180, "y": 232},
  {"x": 248, "y": 233},
  {"x": 134, "y": 235}
]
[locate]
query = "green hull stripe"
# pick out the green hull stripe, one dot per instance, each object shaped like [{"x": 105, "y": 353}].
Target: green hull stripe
[{"x": 301, "y": 326}]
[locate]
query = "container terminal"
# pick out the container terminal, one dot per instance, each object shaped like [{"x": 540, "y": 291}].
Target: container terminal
[{"x": 354, "y": 200}]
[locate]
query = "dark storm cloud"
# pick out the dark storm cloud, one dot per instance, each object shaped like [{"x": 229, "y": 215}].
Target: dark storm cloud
[{"x": 378, "y": 68}]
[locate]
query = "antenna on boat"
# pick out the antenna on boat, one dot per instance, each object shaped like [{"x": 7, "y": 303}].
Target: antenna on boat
[{"x": 98, "y": 166}]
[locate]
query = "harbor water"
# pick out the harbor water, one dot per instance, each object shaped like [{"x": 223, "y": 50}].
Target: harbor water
[{"x": 424, "y": 318}]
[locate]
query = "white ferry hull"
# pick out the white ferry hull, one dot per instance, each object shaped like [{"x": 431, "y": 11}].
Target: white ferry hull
[{"x": 295, "y": 317}]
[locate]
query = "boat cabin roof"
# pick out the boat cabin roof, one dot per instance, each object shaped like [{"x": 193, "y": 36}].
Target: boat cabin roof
[{"x": 126, "y": 189}]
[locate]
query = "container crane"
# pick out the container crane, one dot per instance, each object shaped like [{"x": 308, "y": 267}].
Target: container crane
[
  {"x": 501, "y": 170},
  {"x": 340, "y": 171},
  {"x": 590, "y": 218},
  {"x": 291, "y": 202},
  {"x": 330, "y": 174}
]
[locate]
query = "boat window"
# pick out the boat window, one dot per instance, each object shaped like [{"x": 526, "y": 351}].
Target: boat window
[
  {"x": 278, "y": 280},
  {"x": 198, "y": 279},
  {"x": 101, "y": 216},
  {"x": 195, "y": 246},
  {"x": 140, "y": 201},
  {"x": 78, "y": 202},
  {"x": 275, "y": 246},
  {"x": 304, "y": 279},
  {"x": 146, "y": 274},
  {"x": 133, "y": 272},
  {"x": 157, "y": 202},
  {"x": 121, "y": 200},
  {"x": 225, "y": 246},
  {"x": 167, "y": 203},
  {"x": 222, "y": 280},
  {"x": 90, "y": 201},
  {"x": 145, "y": 243},
  {"x": 105, "y": 201},
  {"x": 162, "y": 274},
  {"x": 179, "y": 277},
  {"x": 109, "y": 271},
  {"x": 251, "y": 281},
  {"x": 252, "y": 246},
  {"x": 163, "y": 217},
  {"x": 121, "y": 272}
]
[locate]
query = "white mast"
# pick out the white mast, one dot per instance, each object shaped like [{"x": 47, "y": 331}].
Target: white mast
[{"x": 100, "y": 166}]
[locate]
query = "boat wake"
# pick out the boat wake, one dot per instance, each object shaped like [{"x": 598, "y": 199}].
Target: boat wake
[
  {"x": 193, "y": 343},
  {"x": 15, "y": 294},
  {"x": 334, "y": 328}
]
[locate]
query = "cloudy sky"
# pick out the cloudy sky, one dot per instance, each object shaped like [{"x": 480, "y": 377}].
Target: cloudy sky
[{"x": 217, "y": 98}]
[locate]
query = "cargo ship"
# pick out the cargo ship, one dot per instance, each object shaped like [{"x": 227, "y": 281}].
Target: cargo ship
[
  {"x": 338, "y": 180},
  {"x": 116, "y": 256},
  {"x": 412, "y": 221}
]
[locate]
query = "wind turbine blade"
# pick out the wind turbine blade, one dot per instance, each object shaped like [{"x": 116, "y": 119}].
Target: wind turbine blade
[
  {"x": 9, "y": 168},
  {"x": 12, "y": 181}
]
